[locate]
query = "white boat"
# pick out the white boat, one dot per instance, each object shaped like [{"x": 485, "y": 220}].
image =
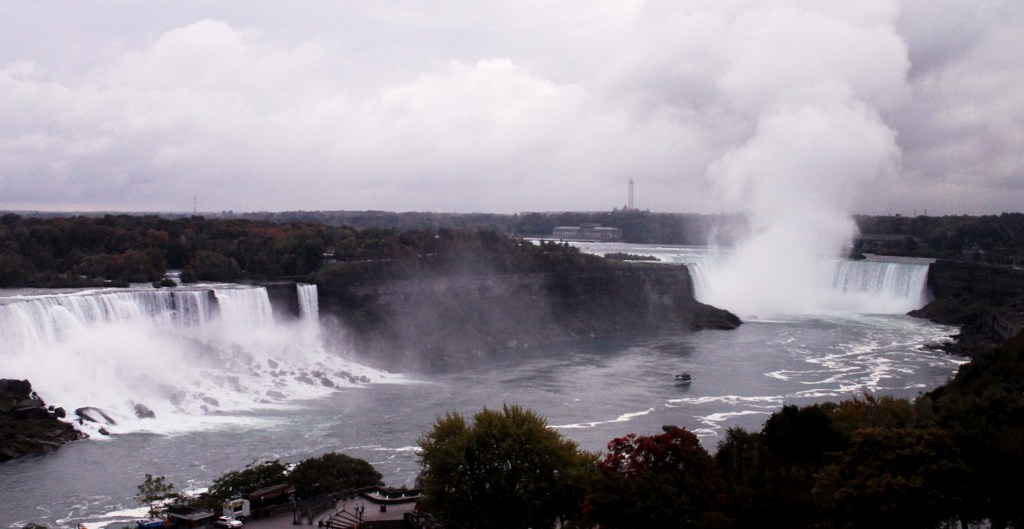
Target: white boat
[{"x": 683, "y": 379}]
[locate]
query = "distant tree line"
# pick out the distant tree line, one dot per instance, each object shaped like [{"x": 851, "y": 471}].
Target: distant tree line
[
  {"x": 637, "y": 226},
  {"x": 943, "y": 236},
  {"x": 995, "y": 238},
  {"x": 119, "y": 249},
  {"x": 87, "y": 250},
  {"x": 69, "y": 251}
]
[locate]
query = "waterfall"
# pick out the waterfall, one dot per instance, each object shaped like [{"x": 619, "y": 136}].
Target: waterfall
[
  {"x": 245, "y": 308},
  {"x": 813, "y": 285},
  {"x": 888, "y": 279},
  {"x": 309, "y": 308},
  {"x": 188, "y": 352},
  {"x": 39, "y": 320},
  {"x": 876, "y": 286}
]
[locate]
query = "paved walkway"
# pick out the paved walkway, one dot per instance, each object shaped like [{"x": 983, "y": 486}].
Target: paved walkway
[{"x": 371, "y": 511}]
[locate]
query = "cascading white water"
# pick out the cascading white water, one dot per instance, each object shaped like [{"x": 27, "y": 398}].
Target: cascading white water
[
  {"x": 309, "y": 308},
  {"x": 41, "y": 320},
  {"x": 244, "y": 308},
  {"x": 893, "y": 280},
  {"x": 877, "y": 285},
  {"x": 863, "y": 287},
  {"x": 183, "y": 352}
]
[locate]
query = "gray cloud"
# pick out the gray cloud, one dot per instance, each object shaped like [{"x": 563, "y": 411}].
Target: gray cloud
[{"x": 498, "y": 107}]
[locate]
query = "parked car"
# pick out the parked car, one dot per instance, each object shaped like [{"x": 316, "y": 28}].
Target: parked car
[{"x": 228, "y": 523}]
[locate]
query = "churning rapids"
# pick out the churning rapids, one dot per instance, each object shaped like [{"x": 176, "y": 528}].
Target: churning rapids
[{"x": 233, "y": 378}]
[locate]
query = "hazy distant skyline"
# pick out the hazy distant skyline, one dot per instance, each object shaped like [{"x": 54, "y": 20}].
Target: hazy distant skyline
[{"x": 710, "y": 106}]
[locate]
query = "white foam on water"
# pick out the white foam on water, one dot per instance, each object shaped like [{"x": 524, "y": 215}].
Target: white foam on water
[
  {"x": 723, "y": 416},
  {"x": 768, "y": 401},
  {"x": 625, "y": 417},
  {"x": 126, "y": 516},
  {"x": 705, "y": 432},
  {"x": 377, "y": 448}
]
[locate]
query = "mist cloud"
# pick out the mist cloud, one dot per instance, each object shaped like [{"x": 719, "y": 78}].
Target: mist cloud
[
  {"x": 814, "y": 82},
  {"x": 519, "y": 106}
]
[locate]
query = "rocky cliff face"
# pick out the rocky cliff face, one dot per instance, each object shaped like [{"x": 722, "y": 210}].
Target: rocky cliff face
[
  {"x": 27, "y": 425},
  {"x": 441, "y": 320},
  {"x": 953, "y": 279},
  {"x": 985, "y": 300}
]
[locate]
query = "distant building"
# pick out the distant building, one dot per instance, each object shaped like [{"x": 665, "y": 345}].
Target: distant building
[
  {"x": 869, "y": 242},
  {"x": 587, "y": 232},
  {"x": 186, "y": 517}
]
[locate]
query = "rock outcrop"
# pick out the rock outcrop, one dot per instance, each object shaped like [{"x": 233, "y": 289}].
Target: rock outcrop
[
  {"x": 27, "y": 425},
  {"x": 96, "y": 415},
  {"x": 447, "y": 319},
  {"x": 986, "y": 301}
]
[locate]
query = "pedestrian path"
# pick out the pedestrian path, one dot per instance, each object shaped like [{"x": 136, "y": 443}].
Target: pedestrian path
[{"x": 347, "y": 512}]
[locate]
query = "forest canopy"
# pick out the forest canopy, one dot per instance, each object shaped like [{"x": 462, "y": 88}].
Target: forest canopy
[
  {"x": 121, "y": 249},
  {"x": 52, "y": 251}
]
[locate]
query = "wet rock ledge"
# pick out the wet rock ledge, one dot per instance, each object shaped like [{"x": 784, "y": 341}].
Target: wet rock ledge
[{"x": 27, "y": 425}]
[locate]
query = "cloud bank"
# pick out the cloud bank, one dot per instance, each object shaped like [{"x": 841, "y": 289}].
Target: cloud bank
[{"x": 513, "y": 106}]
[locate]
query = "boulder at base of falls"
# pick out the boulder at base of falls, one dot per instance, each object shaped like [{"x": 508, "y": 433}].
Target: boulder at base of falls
[
  {"x": 143, "y": 412},
  {"x": 27, "y": 426},
  {"x": 91, "y": 414}
]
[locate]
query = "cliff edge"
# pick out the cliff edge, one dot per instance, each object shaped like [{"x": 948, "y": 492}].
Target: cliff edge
[
  {"x": 442, "y": 319},
  {"x": 985, "y": 300}
]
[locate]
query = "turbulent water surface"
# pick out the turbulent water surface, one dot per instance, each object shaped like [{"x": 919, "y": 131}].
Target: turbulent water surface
[{"x": 231, "y": 382}]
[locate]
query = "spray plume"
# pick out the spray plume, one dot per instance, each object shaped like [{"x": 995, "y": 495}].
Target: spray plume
[{"x": 813, "y": 83}]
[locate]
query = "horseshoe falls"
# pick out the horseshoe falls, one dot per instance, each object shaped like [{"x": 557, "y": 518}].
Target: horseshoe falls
[
  {"x": 827, "y": 286},
  {"x": 875, "y": 286}
]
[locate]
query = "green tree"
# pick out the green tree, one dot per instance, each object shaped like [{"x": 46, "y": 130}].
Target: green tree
[
  {"x": 12, "y": 269},
  {"x": 743, "y": 459},
  {"x": 505, "y": 470},
  {"x": 135, "y": 266},
  {"x": 893, "y": 477},
  {"x": 213, "y": 266},
  {"x": 983, "y": 409},
  {"x": 332, "y": 472},
  {"x": 771, "y": 474},
  {"x": 665, "y": 480},
  {"x": 154, "y": 492},
  {"x": 801, "y": 434},
  {"x": 241, "y": 482},
  {"x": 869, "y": 411}
]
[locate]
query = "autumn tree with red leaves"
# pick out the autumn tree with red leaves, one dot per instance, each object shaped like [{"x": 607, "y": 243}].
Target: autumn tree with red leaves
[{"x": 666, "y": 480}]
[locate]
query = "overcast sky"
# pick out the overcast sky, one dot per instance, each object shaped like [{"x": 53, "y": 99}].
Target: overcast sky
[{"x": 769, "y": 106}]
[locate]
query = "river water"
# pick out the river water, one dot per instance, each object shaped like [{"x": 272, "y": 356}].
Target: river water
[{"x": 277, "y": 405}]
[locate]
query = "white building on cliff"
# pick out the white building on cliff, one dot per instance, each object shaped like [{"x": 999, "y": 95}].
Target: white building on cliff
[{"x": 587, "y": 232}]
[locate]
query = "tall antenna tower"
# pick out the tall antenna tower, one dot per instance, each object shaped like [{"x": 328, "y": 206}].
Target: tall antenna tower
[
  {"x": 629, "y": 205},
  {"x": 194, "y": 210}
]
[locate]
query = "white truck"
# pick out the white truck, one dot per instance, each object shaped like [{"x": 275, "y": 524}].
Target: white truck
[{"x": 237, "y": 509}]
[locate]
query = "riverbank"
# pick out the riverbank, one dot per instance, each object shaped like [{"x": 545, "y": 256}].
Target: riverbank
[
  {"x": 985, "y": 301},
  {"x": 27, "y": 425}
]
